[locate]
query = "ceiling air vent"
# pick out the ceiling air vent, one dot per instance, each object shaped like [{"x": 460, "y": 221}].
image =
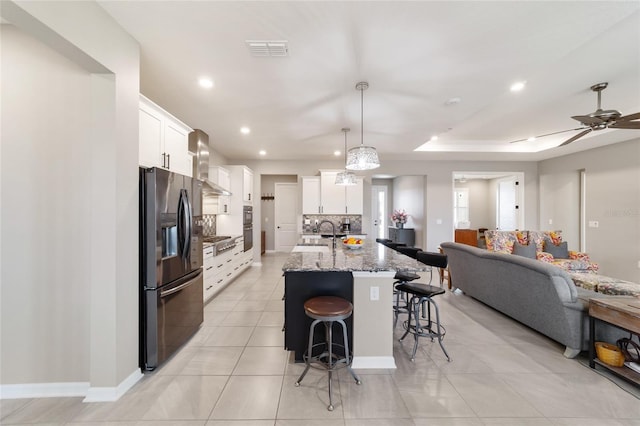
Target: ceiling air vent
[{"x": 263, "y": 48}]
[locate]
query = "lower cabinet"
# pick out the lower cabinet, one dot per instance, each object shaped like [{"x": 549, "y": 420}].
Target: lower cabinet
[{"x": 220, "y": 270}]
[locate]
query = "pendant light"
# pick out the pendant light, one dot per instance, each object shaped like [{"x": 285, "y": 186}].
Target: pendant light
[
  {"x": 345, "y": 178},
  {"x": 362, "y": 157}
]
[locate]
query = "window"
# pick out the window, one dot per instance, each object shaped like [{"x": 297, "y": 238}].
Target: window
[{"x": 460, "y": 206}]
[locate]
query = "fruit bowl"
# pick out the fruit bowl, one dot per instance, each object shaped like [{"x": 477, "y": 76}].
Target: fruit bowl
[{"x": 352, "y": 243}]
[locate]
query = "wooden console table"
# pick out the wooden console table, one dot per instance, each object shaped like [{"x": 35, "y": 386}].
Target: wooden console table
[{"x": 622, "y": 312}]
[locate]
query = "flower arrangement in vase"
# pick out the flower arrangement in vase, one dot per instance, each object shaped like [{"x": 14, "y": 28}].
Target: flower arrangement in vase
[{"x": 399, "y": 216}]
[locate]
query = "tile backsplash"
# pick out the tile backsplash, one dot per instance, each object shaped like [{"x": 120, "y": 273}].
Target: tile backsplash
[
  {"x": 356, "y": 222},
  {"x": 208, "y": 225}
]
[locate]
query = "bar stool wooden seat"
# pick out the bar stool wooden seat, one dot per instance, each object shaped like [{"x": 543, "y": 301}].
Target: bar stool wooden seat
[{"x": 328, "y": 310}]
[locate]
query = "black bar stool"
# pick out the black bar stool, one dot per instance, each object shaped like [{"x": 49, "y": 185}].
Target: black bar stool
[
  {"x": 420, "y": 305},
  {"x": 401, "y": 303},
  {"x": 328, "y": 309}
]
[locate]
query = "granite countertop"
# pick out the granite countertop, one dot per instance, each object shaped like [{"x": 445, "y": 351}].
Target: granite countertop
[{"x": 372, "y": 257}]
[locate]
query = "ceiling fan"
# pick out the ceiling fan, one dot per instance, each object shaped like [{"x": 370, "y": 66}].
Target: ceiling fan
[{"x": 598, "y": 120}]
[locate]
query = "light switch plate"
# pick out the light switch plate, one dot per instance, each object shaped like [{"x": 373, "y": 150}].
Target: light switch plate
[
  {"x": 593, "y": 224},
  {"x": 374, "y": 293}
]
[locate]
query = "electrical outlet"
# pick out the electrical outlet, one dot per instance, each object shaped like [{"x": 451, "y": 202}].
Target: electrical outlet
[
  {"x": 593, "y": 224},
  {"x": 550, "y": 221},
  {"x": 374, "y": 293},
  {"x": 438, "y": 221}
]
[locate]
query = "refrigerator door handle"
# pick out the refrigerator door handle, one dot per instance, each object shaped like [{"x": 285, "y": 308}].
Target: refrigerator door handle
[
  {"x": 184, "y": 224},
  {"x": 165, "y": 293}
]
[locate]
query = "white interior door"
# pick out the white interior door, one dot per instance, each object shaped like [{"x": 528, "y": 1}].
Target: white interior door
[
  {"x": 507, "y": 207},
  {"x": 379, "y": 208},
  {"x": 285, "y": 216}
]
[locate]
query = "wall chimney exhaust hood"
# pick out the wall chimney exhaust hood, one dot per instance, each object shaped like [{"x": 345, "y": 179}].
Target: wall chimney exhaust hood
[{"x": 199, "y": 145}]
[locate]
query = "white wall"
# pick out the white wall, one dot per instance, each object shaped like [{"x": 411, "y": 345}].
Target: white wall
[
  {"x": 70, "y": 79},
  {"x": 408, "y": 195},
  {"x": 560, "y": 205},
  {"x": 612, "y": 199}
]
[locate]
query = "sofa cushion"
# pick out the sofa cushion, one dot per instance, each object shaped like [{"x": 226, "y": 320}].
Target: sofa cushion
[
  {"x": 560, "y": 251},
  {"x": 525, "y": 250},
  {"x": 500, "y": 241}
]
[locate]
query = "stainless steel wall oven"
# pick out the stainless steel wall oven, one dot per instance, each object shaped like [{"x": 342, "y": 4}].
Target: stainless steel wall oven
[{"x": 247, "y": 227}]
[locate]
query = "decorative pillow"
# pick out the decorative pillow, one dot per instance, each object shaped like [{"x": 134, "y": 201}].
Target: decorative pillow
[
  {"x": 525, "y": 250},
  {"x": 555, "y": 236},
  {"x": 523, "y": 237},
  {"x": 537, "y": 237},
  {"x": 578, "y": 255},
  {"x": 560, "y": 251},
  {"x": 543, "y": 256}
]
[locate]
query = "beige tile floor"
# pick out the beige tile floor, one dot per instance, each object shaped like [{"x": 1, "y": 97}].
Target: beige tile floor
[{"x": 234, "y": 372}]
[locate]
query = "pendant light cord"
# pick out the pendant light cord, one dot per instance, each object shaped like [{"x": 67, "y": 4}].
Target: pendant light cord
[{"x": 361, "y": 116}]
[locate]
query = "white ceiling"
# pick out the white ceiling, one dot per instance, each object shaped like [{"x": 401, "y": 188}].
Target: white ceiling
[{"x": 415, "y": 56}]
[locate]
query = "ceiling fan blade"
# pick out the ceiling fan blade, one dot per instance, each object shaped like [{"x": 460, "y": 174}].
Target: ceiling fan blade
[
  {"x": 573, "y": 138},
  {"x": 629, "y": 117},
  {"x": 625, "y": 125},
  {"x": 588, "y": 120},
  {"x": 548, "y": 134}
]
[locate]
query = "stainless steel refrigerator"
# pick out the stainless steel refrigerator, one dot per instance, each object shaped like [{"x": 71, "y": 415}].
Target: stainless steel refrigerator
[{"x": 171, "y": 277}]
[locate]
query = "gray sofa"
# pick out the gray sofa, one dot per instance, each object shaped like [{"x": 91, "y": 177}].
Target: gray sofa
[{"x": 537, "y": 294}]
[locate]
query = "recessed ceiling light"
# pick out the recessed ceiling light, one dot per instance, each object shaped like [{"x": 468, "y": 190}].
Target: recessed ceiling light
[
  {"x": 531, "y": 139},
  {"x": 518, "y": 86},
  {"x": 453, "y": 101},
  {"x": 245, "y": 130},
  {"x": 263, "y": 152},
  {"x": 433, "y": 138},
  {"x": 205, "y": 82},
  {"x": 336, "y": 153}
]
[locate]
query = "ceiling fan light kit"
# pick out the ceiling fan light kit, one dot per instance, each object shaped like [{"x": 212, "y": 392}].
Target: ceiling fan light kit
[
  {"x": 345, "y": 178},
  {"x": 362, "y": 157}
]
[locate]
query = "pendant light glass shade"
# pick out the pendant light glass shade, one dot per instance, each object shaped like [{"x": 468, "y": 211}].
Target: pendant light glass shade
[
  {"x": 362, "y": 157},
  {"x": 345, "y": 178}
]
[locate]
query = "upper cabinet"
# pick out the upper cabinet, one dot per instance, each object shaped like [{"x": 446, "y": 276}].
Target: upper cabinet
[
  {"x": 321, "y": 195},
  {"x": 311, "y": 203},
  {"x": 164, "y": 140},
  {"x": 247, "y": 186},
  {"x": 331, "y": 195},
  {"x": 222, "y": 177}
]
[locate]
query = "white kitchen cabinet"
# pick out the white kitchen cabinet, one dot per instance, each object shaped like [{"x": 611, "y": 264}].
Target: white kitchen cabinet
[
  {"x": 163, "y": 139},
  {"x": 311, "y": 195},
  {"x": 354, "y": 198},
  {"x": 321, "y": 195},
  {"x": 209, "y": 273},
  {"x": 332, "y": 196},
  {"x": 247, "y": 186},
  {"x": 222, "y": 177}
]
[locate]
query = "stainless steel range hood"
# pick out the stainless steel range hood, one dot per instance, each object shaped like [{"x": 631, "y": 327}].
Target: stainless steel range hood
[{"x": 199, "y": 145}]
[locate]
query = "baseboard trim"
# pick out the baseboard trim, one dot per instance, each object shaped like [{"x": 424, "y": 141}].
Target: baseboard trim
[
  {"x": 373, "y": 362},
  {"x": 108, "y": 394},
  {"x": 69, "y": 389},
  {"x": 43, "y": 390}
]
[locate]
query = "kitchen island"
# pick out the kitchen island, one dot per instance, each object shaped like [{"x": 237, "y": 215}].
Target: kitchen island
[{"x": 363, "y": 276}]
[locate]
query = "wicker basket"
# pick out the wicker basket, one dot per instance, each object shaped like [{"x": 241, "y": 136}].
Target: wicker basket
[{"x": 609, "y": 354}]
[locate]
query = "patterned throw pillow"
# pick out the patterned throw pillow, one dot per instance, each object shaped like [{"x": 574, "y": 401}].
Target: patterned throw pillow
[
  {"x": 555, "y": 236},
  {"x": 578, "y": 255},
  {"x": 523, "y": 237},
  {"x": 544, "y": 257}
]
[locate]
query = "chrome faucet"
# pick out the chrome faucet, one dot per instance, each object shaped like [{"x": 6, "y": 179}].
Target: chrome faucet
[{"x": 333, "y": 230}]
